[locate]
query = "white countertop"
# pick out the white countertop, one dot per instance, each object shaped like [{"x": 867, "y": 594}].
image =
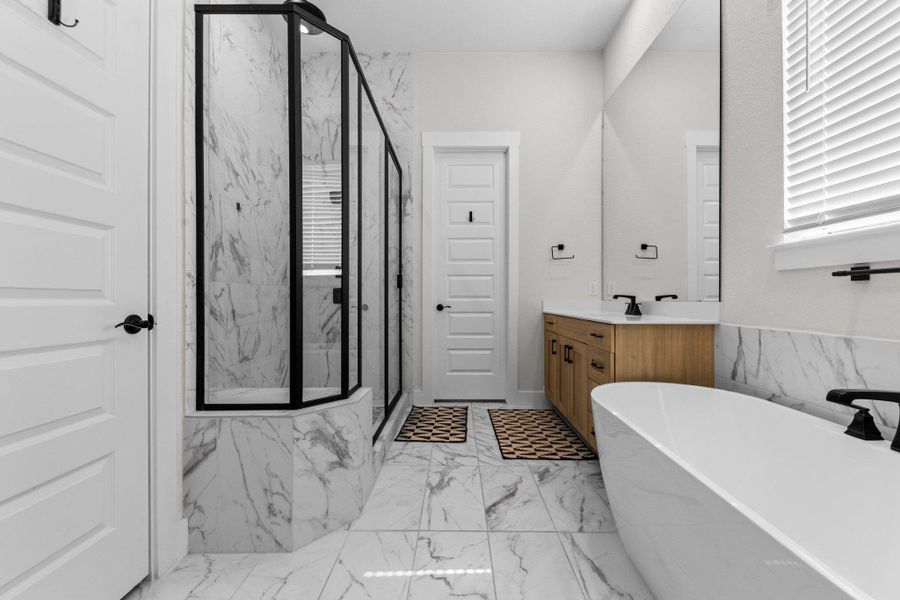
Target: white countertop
[
  {"x": 622, "y": 319},
  {"x": 655, "y": 313}
]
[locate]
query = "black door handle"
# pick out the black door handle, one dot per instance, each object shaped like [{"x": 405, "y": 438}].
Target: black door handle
[
  {"x": 552, "y": 346},
  {"x": 134, "y": 323},
  {"x": 441, "y": 307}
]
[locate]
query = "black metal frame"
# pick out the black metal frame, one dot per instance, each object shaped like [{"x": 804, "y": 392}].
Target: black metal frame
[{"x": 293, "y": 15}]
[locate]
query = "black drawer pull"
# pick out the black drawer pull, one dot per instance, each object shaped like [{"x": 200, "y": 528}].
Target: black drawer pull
[
  {"x": 552, "y": 346},
  {"x": 596, "y": 335},
  {"x": 597, "y": 366}
]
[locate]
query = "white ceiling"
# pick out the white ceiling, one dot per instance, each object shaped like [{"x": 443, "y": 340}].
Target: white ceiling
[
  {"x": 475, "y": 25},
  {"x": 694, "y": 28}
]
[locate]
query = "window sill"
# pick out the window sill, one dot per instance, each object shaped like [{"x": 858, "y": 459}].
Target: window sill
[{"x": 875, "y": 244}]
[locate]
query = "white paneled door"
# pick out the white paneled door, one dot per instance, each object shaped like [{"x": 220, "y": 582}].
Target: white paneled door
[
  {"x": 73, "y": 264},
  {"x": 708, "y": 224},
  {"x": 469, "y": 275}
]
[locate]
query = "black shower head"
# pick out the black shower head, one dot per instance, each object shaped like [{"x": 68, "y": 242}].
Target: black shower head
[{"x": 310, "y": 9}]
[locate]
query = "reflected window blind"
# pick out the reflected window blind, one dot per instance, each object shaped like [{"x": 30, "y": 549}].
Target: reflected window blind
[
  {"x": 841, "y": 113},
  {"x": 322, "y": 216}
]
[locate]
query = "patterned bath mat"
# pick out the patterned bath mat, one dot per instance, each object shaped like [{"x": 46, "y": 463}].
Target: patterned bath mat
[
  {"x": 435, "y": 424},
  {"x": 536, "y": 434}
]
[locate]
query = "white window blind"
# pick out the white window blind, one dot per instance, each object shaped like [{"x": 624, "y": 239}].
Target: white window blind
[
  {"x": 322, "y": 216},
  {"x": 841, "y": 114}
]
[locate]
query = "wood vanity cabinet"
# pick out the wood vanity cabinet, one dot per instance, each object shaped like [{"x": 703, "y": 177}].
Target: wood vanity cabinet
[{"x": 579, "y": 355}]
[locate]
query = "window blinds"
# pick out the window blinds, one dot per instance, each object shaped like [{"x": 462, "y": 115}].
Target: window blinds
[
  {"x": 841, "y": 112},
  {"x": 322, "y": 206}
]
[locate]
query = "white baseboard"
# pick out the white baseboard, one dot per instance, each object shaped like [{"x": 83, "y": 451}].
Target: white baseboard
[{"x": 524, "y": 399}]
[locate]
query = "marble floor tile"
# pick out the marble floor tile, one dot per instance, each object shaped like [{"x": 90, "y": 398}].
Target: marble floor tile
[
  {"x": 602, "y": 568},
  {"x": 460, "y": 454},
  {"x": 574, "y": 498},
  {"x": 531, "y": 566},
  {"x": 453, "y": 499},
  {"x": 452, "y": 565},
  {"x": 396, "y": 500},
  {"x": 201, "y": 577},
  {"x": 512, "y": 501},
  {"x": 408, "y": 454},
  {"x": 293, "y": 575},
  {"x": 374, "y": 565}
]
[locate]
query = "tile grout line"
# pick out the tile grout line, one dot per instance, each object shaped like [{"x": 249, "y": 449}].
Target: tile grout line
[
  {"x": 337, "y": 559},
  {"x": 487, "y": 532},
  {"x": 246, "y": 577}
]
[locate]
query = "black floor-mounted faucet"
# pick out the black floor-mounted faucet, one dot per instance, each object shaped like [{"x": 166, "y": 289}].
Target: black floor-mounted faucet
[
  {"x": 863, "y": 425},
  {"x": 633, "y": 309}
]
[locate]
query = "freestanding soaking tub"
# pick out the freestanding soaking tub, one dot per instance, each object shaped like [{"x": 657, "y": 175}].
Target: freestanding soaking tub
[{"x": 721, "y": 496}]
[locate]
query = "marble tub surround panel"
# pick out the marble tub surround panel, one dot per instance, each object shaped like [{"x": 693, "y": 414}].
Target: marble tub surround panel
[
  {"x": 796, "y": 369},
  {"x": 274, "y": 482}
]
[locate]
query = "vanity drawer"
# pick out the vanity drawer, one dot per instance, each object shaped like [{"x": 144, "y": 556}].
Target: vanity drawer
[
  {"x": 550, "y": 322},
  {"x": 596, "y": 335},
  {"x": 600, "y": 367}
]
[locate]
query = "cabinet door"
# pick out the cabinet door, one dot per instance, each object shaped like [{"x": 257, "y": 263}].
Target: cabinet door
[
  {"x": 552, "y": 353},
  {"x": 586, "y": 418},
  {"x": 573, "y": 374}
]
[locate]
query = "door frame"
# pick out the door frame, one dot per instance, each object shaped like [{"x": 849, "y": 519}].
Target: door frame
[
  {"x": 168, "y": 528},
  {"x": 434, "y": 142},
  {"x": 694, "y": 141}
]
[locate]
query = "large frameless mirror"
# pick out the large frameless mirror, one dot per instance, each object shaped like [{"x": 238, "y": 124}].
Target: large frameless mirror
[{"x": 661, "y": 165}]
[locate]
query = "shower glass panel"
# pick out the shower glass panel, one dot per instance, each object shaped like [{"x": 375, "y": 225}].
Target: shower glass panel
[
  {"x": 354, "y": 282},
  {"x": 243, "y": 238},
  {"x": 298, "y": 216},
  {"x": 373, "y": 267},
  {"x": 323, "y": 212},
  {"x": 394, "y": 284}
]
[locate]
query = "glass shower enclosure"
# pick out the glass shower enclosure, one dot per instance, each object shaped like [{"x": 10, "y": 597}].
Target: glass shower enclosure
[{"x": 298, "y": 216}]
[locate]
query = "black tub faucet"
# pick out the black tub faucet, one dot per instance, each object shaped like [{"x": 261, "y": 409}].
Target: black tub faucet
[
  {"x": 863, "y": 425},
  {"x": 633, "y": 309}
]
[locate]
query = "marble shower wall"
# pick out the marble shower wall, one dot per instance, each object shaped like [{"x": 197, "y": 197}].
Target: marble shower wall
[
  {"x": 247, "y": 202},
  {"x": 796, "y": 369},
  {"x": 249, "y": 315}
]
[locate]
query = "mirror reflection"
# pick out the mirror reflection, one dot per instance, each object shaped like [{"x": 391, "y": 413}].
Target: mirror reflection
[{"x": 661, "y": 165}]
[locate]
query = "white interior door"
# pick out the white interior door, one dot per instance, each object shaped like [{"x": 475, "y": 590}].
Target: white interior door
[
  {"x": 708, "y": 224},
  {"x": 73, "y": 263},
  {"x": 469, "y": 275}
]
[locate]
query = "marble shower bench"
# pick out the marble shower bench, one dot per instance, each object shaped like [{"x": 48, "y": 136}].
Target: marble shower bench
[{"x": 274, "y": 481}]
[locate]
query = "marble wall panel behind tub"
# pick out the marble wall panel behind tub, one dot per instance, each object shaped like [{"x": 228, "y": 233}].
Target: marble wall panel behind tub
[{"x": 797, "y": 369}]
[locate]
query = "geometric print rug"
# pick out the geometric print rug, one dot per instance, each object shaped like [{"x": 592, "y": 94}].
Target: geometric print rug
[
  {"x": 435, "y": 424},
  {"x": 537, "y": 434}
]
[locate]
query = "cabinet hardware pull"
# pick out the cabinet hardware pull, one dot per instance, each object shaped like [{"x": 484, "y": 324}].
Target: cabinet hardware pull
[
  {"x": 552, "y": 346},
  {"x": 596, "y": 335},
  {"x": 597, "y": 366},
  {"x": 549, "y": 322}
]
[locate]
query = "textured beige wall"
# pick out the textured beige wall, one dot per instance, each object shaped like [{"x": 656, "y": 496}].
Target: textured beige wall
[
  {"x": 666, "y": 95},
  {"x": 555, "y": 101},
  {"x": 634, "y": 34},
  {"x": 753, "y": 292}
]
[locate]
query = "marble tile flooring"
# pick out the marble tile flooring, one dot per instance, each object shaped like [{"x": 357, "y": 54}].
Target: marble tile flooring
[{"x": 443, "y": 521}]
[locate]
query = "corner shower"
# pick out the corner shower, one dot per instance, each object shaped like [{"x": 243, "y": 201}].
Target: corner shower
[{"x": 298, "y": 216}]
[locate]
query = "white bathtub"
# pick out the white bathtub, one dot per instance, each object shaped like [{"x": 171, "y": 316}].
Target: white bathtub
[{"x": 722, "y": 496}]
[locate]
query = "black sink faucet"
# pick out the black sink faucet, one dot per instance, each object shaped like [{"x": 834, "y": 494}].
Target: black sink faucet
[
  {"x": 633, "y": 309},
  {"x": 863, "y": 425}
]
